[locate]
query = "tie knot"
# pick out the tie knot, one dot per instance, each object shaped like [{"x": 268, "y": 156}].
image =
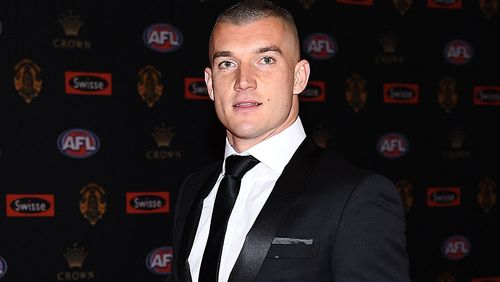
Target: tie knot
[{"x": 237, "y": 166}]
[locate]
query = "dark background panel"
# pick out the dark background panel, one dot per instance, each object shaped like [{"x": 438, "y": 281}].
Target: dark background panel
[{"x": 153, "y": 148}]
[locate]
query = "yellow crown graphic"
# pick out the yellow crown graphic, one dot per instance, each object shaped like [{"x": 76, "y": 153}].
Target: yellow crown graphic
[
  {"x": 163, "y": 136},
  {"x": 71, "y": 24},
  {"x": 75, "y": 256},
  {"x": 307, "y": 3},
  {"x": 457, "y": 138},
  {"x": 389, "y": 42}
]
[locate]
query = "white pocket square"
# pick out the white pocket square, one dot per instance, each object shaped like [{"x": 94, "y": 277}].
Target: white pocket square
[{"x": 291, "y": 241}]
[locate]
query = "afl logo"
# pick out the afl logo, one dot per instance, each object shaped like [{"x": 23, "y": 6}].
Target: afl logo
[
  {"x": 458, "y": 52},
  {"x": 320, "y": 46},
  {"x": 392, "y": 145},
  {"x": 78, "y": 143},
  {"x": 456, "y": 247},
  {"x": 162, "y": 37},
  {"x": 3, "y": 267},
  {"x": 159, "y": 261}
]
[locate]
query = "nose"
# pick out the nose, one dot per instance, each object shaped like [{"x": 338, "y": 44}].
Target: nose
[{"x": 245, "y": 78}]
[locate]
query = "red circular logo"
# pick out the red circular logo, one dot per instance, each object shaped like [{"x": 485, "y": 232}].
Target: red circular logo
[
  {"x": 159, "y": 260},
  {"x": 162, "y": 37},
  {"x": 320, "y": 46},
  {"x": 458, "y": 52},
  {"x": 456, "y": 247}
]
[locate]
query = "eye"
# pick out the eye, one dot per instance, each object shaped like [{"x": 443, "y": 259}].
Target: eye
[
  {"x": 225, "y": 64},
  {"x": 268, "y": 60}
]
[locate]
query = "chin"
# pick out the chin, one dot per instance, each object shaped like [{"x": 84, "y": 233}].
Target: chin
[{"x": 248, "y": 132}]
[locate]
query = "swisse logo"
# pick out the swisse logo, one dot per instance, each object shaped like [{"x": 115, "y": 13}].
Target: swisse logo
[
  {"x": 456, "y": 247},
  {"x": 159, "y": 261},
  {"x": 78, "y": 143},
  {"x": 458, "y": 52},
  {"x": 314, "y": 92},
  {"x": 487, "y": 95},
  {"x": 401, "y": 93},
  {"x": 443, "y": 196},
  {"x": 162, "y": 37},
  {"x": 320, "y": 46},
  {"x": 148, "y": 202},
  {"x": 444, "y": 4},
  {"x": 195, "y": 88},
  {"x": 356, "y": 2},
  {"x": 88, "y": 83},
  {"x": 30, "y": 205},
  {"x": 392, "y": 145}
]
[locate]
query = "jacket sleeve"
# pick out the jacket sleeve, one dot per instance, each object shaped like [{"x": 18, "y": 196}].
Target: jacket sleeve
[
  {"x": 176, "y": 231},
  {"x": 370, "y": 243}
]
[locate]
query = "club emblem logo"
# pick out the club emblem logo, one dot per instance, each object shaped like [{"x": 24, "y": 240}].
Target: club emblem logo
[
  {"x": 27, "y": 80},
  {"x": 150, "y": 86}
]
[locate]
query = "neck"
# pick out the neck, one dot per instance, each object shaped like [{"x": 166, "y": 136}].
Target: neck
[{"x": 243, "y": 144}]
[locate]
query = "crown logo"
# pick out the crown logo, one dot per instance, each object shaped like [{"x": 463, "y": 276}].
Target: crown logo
[
  {"x": 389, "y": 42},
  {"x": 307, "y": 3},
  {"x": 71, "y": 24},
  {"x": 321, "y": 135},
  {"x": 75, "y": 256},
  {"x": 457, "y": 138},
  {"x": 163, "y": 136}
]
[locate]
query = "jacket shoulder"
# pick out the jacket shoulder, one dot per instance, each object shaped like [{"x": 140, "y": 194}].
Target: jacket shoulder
[{"x": 334, "y": 170}]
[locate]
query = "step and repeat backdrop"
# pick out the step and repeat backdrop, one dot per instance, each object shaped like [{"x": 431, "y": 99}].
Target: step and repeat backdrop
[{"x": 104, "y": 112}]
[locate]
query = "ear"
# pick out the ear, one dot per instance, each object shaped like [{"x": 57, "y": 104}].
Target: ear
[
  {"x": 302, "y": 71},
  {"x": 208, "y": 82}
]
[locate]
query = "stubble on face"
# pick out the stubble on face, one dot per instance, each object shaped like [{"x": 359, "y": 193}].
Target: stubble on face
[{"x": 248, "y": 126}]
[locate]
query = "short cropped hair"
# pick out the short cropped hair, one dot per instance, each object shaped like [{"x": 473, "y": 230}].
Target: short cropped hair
[
  {"x": 248, "y": 11},
  {"x": 251, "y": 10}
]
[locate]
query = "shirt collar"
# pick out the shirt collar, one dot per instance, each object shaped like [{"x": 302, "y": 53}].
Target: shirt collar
[{"x": 276, "y": 151}]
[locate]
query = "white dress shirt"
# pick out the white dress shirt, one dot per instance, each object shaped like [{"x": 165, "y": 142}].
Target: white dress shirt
[{"x": 256, "y": 186}]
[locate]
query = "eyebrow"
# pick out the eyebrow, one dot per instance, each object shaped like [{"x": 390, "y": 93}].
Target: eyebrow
[
  {"x": 269, "y": 49},
  {"x": 258, "y": 51},
  {"x": 221, "y": 54}
]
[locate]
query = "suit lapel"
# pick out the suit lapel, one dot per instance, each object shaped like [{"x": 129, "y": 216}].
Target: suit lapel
[
  {"x": 191, "y": 223},
  {"x": 260, "y": 236}
]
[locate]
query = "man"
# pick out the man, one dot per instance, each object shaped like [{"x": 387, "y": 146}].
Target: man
[{"x": 301, "y": 213}]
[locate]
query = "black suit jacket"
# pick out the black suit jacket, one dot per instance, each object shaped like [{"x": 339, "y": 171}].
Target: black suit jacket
[{"x": 325, "y": 220}]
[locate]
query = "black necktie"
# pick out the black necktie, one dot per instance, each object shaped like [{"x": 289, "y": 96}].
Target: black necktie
[{"x": 235, "y": 168}]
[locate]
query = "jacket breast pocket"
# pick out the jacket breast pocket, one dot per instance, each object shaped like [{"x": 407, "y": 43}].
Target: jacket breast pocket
[{"x": 293, "y": 251}]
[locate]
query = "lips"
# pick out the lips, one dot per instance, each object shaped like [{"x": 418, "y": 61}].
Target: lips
[{"x": 247, "y": 104}]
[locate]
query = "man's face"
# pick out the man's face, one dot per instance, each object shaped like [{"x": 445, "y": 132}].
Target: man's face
[{"x": 253, "y": 77}]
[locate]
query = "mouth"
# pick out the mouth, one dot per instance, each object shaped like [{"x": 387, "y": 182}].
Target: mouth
[{"x": 244, "y": 105}]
